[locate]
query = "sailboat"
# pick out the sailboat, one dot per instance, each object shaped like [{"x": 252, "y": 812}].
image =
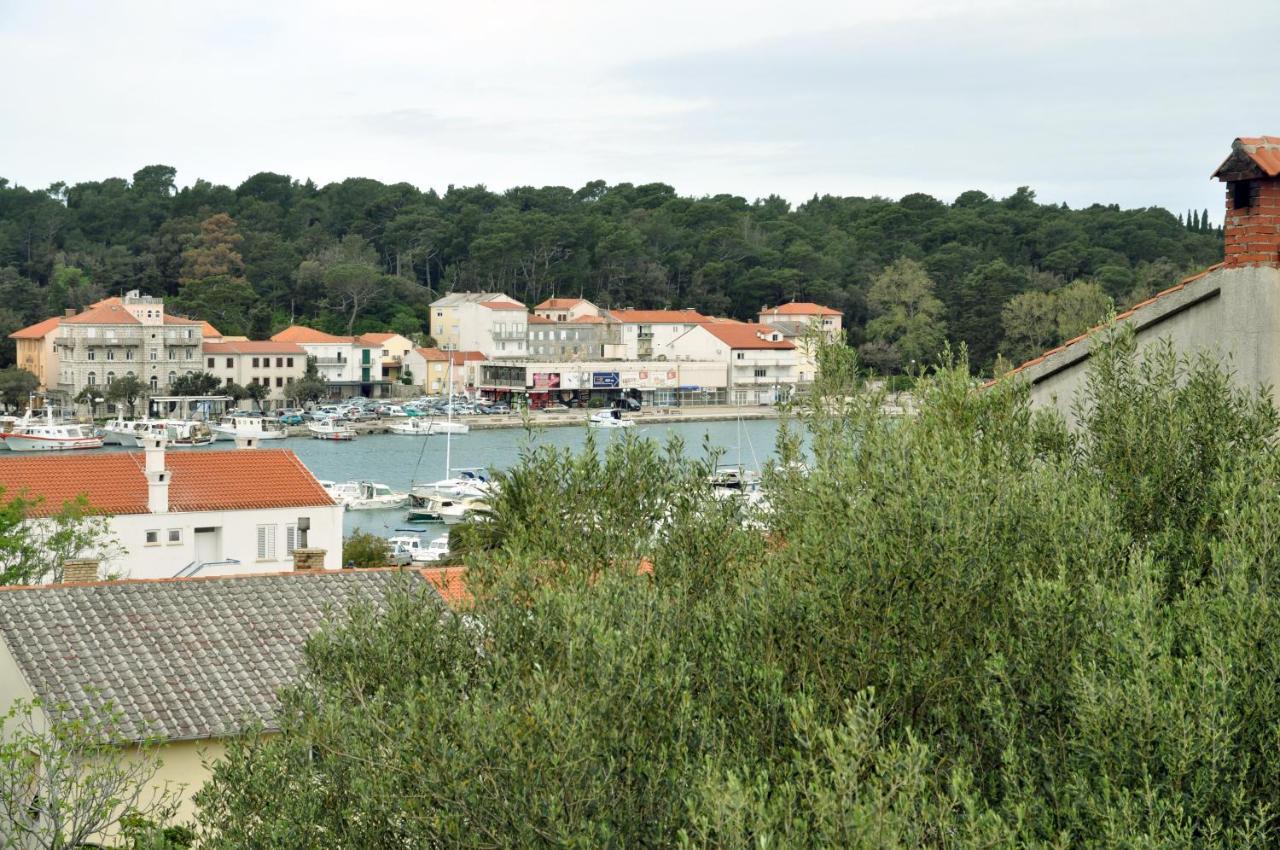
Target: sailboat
[{"x": 444, "y": 498}]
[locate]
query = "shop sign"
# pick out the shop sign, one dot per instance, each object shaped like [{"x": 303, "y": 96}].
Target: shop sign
[{"x": 604, "y": 380}]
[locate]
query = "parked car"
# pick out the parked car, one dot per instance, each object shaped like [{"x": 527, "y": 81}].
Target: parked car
[
  {"x": 626, "y": 404},
  {"x": 497, "y": 407},
  {"x": 290, "y": 418},
  {"x": 553, "y": 408}
]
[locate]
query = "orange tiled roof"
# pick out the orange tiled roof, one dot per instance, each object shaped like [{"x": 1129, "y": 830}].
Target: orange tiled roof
[
  {"x": 450, "y": 583},
  {"x": 1263, "y": 150},
  {"x": 375, "y": 338},
  {"x": 800, "y": 308},
  {"x": 302, "y": 333},
  {"x": 431, "y": 354},
  {"x": 208, "y": 330},
  {"x": 540, "y": 320},
  {"x": 658, "y": 317},
  {"x": 37, "y": 331},
  {"x": 109, "y": 311},
  {"x": 1126, "y": 314},
  {"x": 559, "y": 304},
  {"x": 114, "y": 482},
  {"x": 170, "y": 319},
  {"x": 459, "y": 357},
  {"x": 745, "y": 335},
  {"x": 253, "y": 347}
]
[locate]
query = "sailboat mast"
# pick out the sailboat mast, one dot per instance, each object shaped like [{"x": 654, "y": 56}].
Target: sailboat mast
[{"x": 448, "y": 431}]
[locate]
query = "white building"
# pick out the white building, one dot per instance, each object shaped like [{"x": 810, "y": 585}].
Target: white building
[
  {"x": 760, "y": 365},
  {"x": 566, "y": 309},
  {"x": 276, "y": 364},
  {"x": 651, "y": 382},
  {"x": 173, "y": 513},
  {"x": 643, "y": 334},
  {"x": 804, "y": 324},
  {"x": 351, "y": 366},
  {"x": 489, "y": 322}
]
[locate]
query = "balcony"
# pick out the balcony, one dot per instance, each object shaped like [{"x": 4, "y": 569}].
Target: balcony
[
  {"x": 505, "y": 335},
  {"x": 331, "y": 361}
]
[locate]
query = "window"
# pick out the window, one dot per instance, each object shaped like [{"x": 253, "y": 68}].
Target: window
[
  {"x": 173, "y": 376},
  {"x": 279, "y": 382},
  {"x": 288, "y": 380},
  {"x": 191, "y": 354},
  {"x": 209, "y": 363},
  {"x": 155, "y": 355},
  {"x": 93, "y": 354},
  {"x": 279, "y": 362},
  {"x": 153, "y": 537},
  {"x": 266, "y": 543},
  {"x": 255, "y": 362},
  {"x": 91, "y": 379},
  {"x": 175, "y": 535},
  {"x": 111, "y": 378},
  {"x": 229, "y": 362},
  {"x": 128, "y": 355},
  {"x": 188, "y": 333},
  {"x": 111, "y": 354},
  {"x": 760, "y": 373},
  {"x": 1241, "y": 194},
  {"x": 290, "y": 539},
  {"x": 289, "y": 362},
  {"x": 742, "y": 355},
  {"x": 154, "y": 382}
]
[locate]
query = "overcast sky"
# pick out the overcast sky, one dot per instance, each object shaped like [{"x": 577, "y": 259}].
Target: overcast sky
[{"x": 1117, "y": 102}]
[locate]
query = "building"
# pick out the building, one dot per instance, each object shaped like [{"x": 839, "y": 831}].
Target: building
[
  {"x": 36, "y": 351},
  {"x": 584, "y": 337},
  {"x": 804, "y": 324},
  {"x": 489, "y": 322},
  {"x": 651, "y": 382},
  {"x": 351, "y": 367},
  {"x": 641, "y": 334},
  {"x": 430, "y": 370},
  {"x": 390, "y": 351},
  {"x": 566, "y": 309},
  {"x": 275, "y": 364},
  {"x": 1231, "y": 310},
  {"x": 760, "y": 365},
  {"x": 205, "y": 512},
  {"x": 185, "y": 662}
]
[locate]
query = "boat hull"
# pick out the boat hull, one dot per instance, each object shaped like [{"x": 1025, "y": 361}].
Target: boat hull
[{"x": 30, "y": 443}]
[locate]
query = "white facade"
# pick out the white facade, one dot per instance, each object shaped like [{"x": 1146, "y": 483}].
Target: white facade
[
  {"x": 643, "y": 334},
  {"x": 760, "y": 366},
  {"x": 276, "y": 364},
  {"x": 494, "y": 324}
]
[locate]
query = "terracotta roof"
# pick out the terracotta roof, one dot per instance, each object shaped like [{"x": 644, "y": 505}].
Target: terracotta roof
[
  {"x": 182, "y": 659},
  {"x": 560, "y": 303},
  {"x": 254, "y": 347},
  {"x": 106, "y": 312},
  {"x": 181, "y": 320},
  {"x": 658, "y": 317},
  {"x": 502, "y": 305},
  {"x": 450, "y": 583},
  {"x": 1126, "y": 314},
  {"x": 535, "y": 319},
  {"x": 1263, "y": 150},
  {"x": 745, "y": 335},
  {"x": 376, "y": 338},
  {"x": 470, "y": 356},
  {"x": 800, "y": 308},
  {"x": 208, "y": 330},
  {"x": 114, "y": 482},
  {"x": 37, "y": 331},
  {"x": 302, "y": 333},
  {"x": 431, "y": 353}
]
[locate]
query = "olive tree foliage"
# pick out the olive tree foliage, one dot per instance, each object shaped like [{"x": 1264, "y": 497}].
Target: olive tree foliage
[
  {"x": 34, "y": 544},
  {"x": 65, "y": 780},
  {"x": 969, "y": 628}
]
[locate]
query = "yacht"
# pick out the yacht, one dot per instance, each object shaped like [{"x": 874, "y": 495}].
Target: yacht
[
  {"x": 610, "y": 419},
  {"x": 176, "y": 432},
  {"x": 242, "y": 424},
  {"x": 331, "y": 429},
  {"x": 453, "y": 511},
  {"x": 367, "y": 496},
  {"x": 465, "y": 483},
  {"x": 33, "y": 435}
]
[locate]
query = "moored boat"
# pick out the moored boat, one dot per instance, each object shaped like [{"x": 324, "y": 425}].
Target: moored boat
[
  {"x": 367, "y": 496},
  {"x": 610, "y": 419},
  {"x": 243, "y": 424},
  {"x": 331, "y": 429},
  {"x": 34, "y": 435}
]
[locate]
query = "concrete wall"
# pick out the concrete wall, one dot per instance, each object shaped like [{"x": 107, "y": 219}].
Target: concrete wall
[{"x": 1233, "y": 313}]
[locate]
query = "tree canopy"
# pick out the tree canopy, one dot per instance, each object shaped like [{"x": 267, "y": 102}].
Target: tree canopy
[{"x": 361, "y": 255}]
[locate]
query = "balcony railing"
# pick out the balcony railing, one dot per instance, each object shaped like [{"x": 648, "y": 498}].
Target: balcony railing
[
  {"x": 331, "y": 361},
  {"x": 520, "y": 334}
]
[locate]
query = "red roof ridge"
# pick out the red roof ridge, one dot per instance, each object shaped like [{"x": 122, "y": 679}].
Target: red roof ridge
[{"x": 1126, "y": 314}]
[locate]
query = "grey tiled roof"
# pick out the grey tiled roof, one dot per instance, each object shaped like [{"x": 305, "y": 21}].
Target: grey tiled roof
[{"x": 179, "y": 659}]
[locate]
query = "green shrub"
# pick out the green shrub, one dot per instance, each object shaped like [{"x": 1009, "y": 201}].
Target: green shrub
[{"x": 363, "y": 549}]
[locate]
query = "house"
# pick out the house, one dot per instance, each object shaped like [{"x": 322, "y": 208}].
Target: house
[
  {"x": 351, "y": 366},
  {"x": 187, "y": 663},
  {"x": 566, "y": 309},
  {"x": 36, "y": 352},
  {"x": 275, "y": 364},
  {"x": 430, "y": 370},
  {"x": 760, "y": 365},
  {"x": 641, "y": 334},
  {"x": 804, "y": 324},
  {"x": 192, "y": 512},
  {"x": 584, "y": 337},
  {"x": 390, "y": 351},
  {"x": 1230, "y": 310},
  {"x": 489, "y": 322}
]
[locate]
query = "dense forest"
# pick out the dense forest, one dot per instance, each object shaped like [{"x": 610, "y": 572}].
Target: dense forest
[{"x": 1004, "y": 276}]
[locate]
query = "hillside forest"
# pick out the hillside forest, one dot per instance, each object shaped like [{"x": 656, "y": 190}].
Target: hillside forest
[{"x": 1004, "y": 276}]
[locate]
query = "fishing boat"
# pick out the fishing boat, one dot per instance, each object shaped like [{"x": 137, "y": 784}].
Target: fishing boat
[
  {"x": 331, "y": 429},
  {"x": 367, "y": 496},
  {"x": 244, "y": 424},
  {"x": 610, "y": 419},
  {"x": 33, "y": 435},
  {"x": 177, "y": 433}
]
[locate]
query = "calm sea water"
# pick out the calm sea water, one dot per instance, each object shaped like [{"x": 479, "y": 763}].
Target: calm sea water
[{"x": 399, "y": 461}]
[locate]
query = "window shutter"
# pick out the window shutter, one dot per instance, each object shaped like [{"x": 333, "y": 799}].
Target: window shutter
[
  {"x": 262, "y": 542},
  {"x": 290, "y": 539}
]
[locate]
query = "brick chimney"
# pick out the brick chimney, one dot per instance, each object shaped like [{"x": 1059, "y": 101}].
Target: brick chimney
[
  {"x": 308, "y": 560},
  {"x": 79, "y": 570},
  {"x": 157, "y": 475},
  {"x": 1251, "y": 229}
]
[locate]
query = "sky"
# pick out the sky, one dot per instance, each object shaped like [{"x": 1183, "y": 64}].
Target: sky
[{"x": 1125, "y": 101}]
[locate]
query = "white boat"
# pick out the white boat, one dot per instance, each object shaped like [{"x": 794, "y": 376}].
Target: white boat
[
  {"x": 448, "y": 427},
  {"x": 610, "y": 419},
  {"x": 411, "y": 427},
  {"x": 176, "y": 432},
  {"x": 331, "y": 429},
  {"x": 454, "y": 511},
  {"x": 367, "y": 496},
  {"x": 464, "y": 483},
  {"x": 118, "y": 432},
  {"x": 436, "y": 550},
  {"x": 33, "y": 435},
  {"x": 243, "y": 424}
]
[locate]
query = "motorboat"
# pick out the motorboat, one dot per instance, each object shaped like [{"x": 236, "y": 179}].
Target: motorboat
[
  {"x": 610, "y": 419},
  {"x": 734, "y": 477},
  {"x": 448, "y": 427},
  {"x": 119, "y": 432},
  {"x": 411, "y": 427},
  {"x": 367, "y": 496},
  {"x": 331, "y": 429},
  {"x": 48, "y": 435},
  {"x": 176, "y": 432},
  {"x": 453, "y": 511},
  {"x": 242, "y": 424},
  {"x": 464, "y": 483}
]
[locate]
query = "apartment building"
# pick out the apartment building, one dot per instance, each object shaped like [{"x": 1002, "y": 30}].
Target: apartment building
[
  {"x": 804, "y": 324},
  {"x": 351, "y": 366},
  {"x": 431, "y": 370},
  {"x": 275, "y": 364},
  {"x": 489, "y": 322},
  {"x": 641, "y": 334},
  {"x": 759, "y": 364}
]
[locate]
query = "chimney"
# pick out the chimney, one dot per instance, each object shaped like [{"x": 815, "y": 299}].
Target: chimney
[
  {"x": 79, "y": 570},
  {"x": 70, "y": 311},
  {"x": 308, "y": 560},
  {"x": 246, "y": 442},
  {"x": 157, "y": 475},
  {"x": 1251, "y": 228}
]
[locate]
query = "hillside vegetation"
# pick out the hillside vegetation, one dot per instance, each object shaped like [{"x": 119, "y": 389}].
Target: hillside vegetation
[{"x": 1000, "y": 275}]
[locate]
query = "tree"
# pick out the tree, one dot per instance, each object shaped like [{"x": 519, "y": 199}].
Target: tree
[
  {"x": 363, "y": 549},
  {"x": 1030, "y": 321},
  {"x": 227, "y": 302},
  {"x": 35, "y": 542},
  {"x": 216, "y": 252},
  {"x": 127, "y": 391},
  {"x": 906, "y": 314},
  {"x": 257, "y": 393},
  {"x": 1081, "y": 306},
  {"x": 16, "y": 387},
  {"x": 352, "y": 288},
  {"x": 196, "y": 383},
  {"x": 309, "y": 388},
  {"x": 67, "y": 778}
]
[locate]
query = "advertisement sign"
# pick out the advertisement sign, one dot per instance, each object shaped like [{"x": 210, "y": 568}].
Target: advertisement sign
[
  {"x": 546, "y": 380},
  {"x": 570, "y": 380},
  {"x": 604, "y": 380}
]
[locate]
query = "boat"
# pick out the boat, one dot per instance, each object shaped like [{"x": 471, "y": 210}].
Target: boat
[
  {"x": 118, "y": 432},
  {"x": 452, "y": 511},
  {"x": 466, "y": 482},
  {"x": 448, "y": 427},
  {"x": 367, "y": 496},
  {"x": 610, "y": 419},
  {"x": 176, "y": 432},
  {"x": 436, "y": 550},
  {"x": 33, "y": 435},
  {"x": 242, "y": 424},
  {"x": 331, "y": 429},
  {"x": 411, "y": 427}
]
